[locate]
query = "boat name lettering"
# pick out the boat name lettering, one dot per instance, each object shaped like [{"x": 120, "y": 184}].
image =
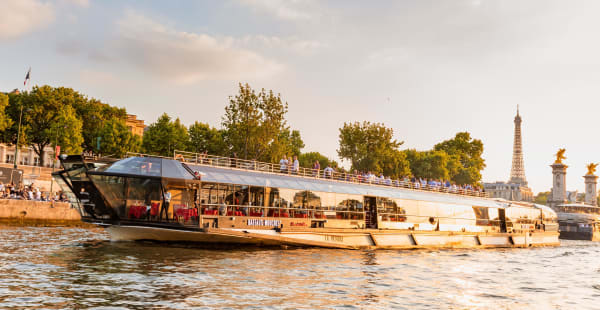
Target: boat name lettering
[
  {"x": 334, "y": 238},
  {"x": 261, "y": 222},
  {"x": 298, "y": 224}
]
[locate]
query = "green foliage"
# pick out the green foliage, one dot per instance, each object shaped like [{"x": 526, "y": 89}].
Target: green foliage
[
  {"x": 116, "y": 140},
  {"x": 466, "y": 163},
  {"x": 67, "y": 131},
  {"x": 428, "y": 164},
  {"x": 541, "y": 198},
  {"x": 5, "y": 120},
  {"x": 256, "y": 126},
  {"x": 165, "y": 136},
  {"x": 371, "y": 147},
  {"x": 206, "y": 138},
  {"x": 308, "y": 159},
  {"x": 94, "y": 115},
  {"x": 48, "y": 116}
]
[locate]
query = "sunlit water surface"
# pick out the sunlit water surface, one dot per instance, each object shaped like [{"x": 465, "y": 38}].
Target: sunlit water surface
[{"x": 79, "y": 268}]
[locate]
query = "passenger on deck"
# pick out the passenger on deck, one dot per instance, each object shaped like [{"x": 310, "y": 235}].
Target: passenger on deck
[
  {"x": 289, "y": 164},
  {"x": 283, "y": 164},
  {"x": 222, "y": 207},
  {"x": 328, "y": 172},
  {"x": 296, "y": 165},
  {"x": 316, "y": 167}
]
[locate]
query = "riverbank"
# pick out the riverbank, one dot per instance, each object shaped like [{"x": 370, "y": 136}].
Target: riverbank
[{"x": 39, "y": 213}]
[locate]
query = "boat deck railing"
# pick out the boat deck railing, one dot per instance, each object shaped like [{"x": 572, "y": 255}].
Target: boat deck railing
[{"x": 254, "y": 165}]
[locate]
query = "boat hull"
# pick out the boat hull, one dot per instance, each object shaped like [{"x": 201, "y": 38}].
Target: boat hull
[{"x": 367, "y": 239}]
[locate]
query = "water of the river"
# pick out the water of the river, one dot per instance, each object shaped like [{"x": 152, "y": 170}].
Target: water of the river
[{"x": 76, "y": 268}]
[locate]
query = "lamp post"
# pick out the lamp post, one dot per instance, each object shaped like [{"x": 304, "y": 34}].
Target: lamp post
[
  {"x": 53, "y": 165},
  {"x": 18, "y": 138}
]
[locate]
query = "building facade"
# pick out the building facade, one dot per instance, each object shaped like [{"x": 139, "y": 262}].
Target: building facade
[
  {"x": 135, "y": 126},
  {"x": 516, "y": 188},
  {"x": 26, "y": 156}
]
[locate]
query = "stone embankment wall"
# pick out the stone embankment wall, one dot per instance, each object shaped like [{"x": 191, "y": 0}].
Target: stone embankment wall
[{"x": 38, "y": 213}]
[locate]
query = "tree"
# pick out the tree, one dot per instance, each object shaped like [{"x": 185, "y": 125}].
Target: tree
[
  {"x": 541, "y": 198},
  {"x": 48, "y": 116},
  {"x": 466, "y": 162},
  {"x": 428, "y": 164},
  {"x": 289, "y": 143},
  {"x": 94, "y": 115},
  {"x": 165, "y": 136},
  {"x": 5, "y": 120},
  {"x": 254, "y": 123},
  {"x": 308, "y": 159},
  {"x": 116, "y": 140},
  {"x": 206, "y": 138},
  {"x": 371, "y": 147}
]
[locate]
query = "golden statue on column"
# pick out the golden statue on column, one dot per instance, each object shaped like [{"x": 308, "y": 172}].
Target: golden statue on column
[
  {"x": 560, "y": 155},
  {"x": 591, "y": 168}
]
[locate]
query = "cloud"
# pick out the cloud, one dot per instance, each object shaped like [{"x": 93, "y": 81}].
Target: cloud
[
  {"x": 183, "y": 56},
  {"x": 81, "y": 3},
  {"x": 20, "y": 17},
  {"x": 292, "y": 44},
  {"x": 282, "y": 9}
]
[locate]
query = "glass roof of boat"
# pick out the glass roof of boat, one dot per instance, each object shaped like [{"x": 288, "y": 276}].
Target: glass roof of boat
[
  {"x": 148, "y": 166},
  {"x": 244, "y": 177}
]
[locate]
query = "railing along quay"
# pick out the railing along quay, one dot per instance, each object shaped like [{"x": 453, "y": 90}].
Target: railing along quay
[{"x": 254, "y": 165}]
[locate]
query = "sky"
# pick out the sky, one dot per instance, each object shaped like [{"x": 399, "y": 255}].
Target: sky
[{"x": 427, "y": 69}]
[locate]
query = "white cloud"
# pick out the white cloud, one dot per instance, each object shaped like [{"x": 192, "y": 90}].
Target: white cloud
[
  {"x": 81, "y": 3},
  {"x": 23, "y": 16},
  {"x": 186, "y": 57},
  {"x": 292, "y": 44},
  {"x": 282, "y": 9}
]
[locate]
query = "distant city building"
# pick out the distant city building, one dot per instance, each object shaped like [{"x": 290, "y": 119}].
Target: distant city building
[
  {"x": 135, "y": 126},
  {"x": 27, "y": 156},
  {"x": 516, "y": 188}
]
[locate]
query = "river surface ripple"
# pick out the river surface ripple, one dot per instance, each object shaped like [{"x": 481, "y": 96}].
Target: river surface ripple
[{"x": 74, "y": 268}]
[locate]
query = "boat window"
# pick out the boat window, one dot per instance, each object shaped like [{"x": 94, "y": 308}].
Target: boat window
[
  {"x": 147, "y": 166},
  {"x": 142, "y": 191},
  {"x": 113, "y": 190},
  {"x": 341, "y": 202},
  {"x": 300, "y": 200},
  {"x": 257, "y": 196},
  {"x": 482, "y": 215},
  {"x": 274, "y": 197},
  {"x": 313, "y": 200},
  {"x": 209, "y": 194},
  {"x": 175, "y": 170}
]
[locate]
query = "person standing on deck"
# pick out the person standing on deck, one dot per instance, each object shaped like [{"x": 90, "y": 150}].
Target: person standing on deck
[
  {"x": 165, "y": 208},
  {"x": 283, "y": 164},
  {"x": 296, "y": 165}
]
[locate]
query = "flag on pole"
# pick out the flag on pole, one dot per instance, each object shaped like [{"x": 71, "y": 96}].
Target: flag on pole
[{"x": 27, "y": 77}]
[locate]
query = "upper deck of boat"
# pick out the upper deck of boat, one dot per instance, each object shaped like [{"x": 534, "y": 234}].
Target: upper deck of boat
[{"x": 309, "y": 173}]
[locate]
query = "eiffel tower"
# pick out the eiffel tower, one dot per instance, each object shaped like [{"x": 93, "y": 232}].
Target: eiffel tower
[{"x": 517, "y": 172}]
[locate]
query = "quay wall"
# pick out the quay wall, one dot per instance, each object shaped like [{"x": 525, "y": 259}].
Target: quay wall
[{"x": 38, "y": 213}]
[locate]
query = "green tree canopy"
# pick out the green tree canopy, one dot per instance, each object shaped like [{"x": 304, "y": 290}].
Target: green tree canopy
[
  {"x": 94, "y": 115},
  {"x": 428, "y": 164},
  {"x": 254, "y": 123},
  {"x": 116, "y": 140},
  {"x": 206, "y": 138},
  {"x": 165, "y": 136},
  {"x": 308, "y": 159},
  {"x": 48, "y": 116},
  {"x": 5, "y": 120},
  {"x": 466, "y": 163},
  {"x": 541, "y": 198},
  {"x": 371, "y": 147}
]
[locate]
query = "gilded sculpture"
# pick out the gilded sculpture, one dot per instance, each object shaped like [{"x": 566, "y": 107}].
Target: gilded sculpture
[
  {"x": 560, "y": 155},
  {"x": 591, "y": 168}
]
